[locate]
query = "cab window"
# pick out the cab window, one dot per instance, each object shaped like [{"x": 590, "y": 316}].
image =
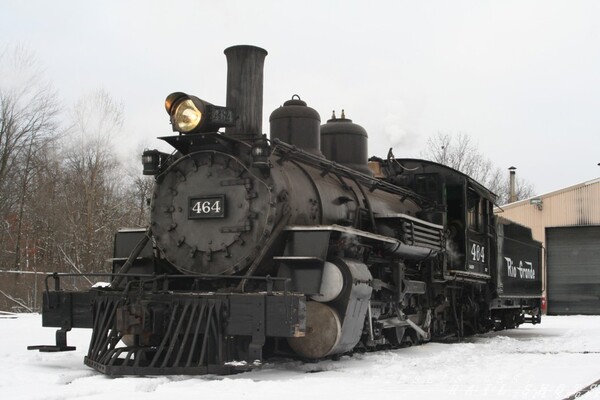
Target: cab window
[
  {"x": 475, "y": 212},
  {"x": 426, "y": 185}
]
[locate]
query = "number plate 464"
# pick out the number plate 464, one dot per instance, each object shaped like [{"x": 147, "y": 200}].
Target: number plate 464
[{"x": 206, "y": 207}]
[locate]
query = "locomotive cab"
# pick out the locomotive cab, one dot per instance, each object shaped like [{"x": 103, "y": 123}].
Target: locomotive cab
[{"x": 463, "y": 206}]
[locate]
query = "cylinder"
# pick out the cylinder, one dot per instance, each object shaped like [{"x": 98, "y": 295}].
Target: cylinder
[
  {"x": 297, "y": 124},
  {"x": 323, "y": 332},
  {"x": 332, "y": 283},
  {"x": 245, "y": 90}
]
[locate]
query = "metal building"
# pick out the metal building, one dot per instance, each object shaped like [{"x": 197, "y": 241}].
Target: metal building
[{"x": 567, "y": 222}]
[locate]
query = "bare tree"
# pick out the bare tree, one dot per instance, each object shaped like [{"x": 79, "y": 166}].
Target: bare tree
[
  {"x": 139, "y": 190},
  {"x": 28, "y": 123},
  {"x": 461, "y": 153},
  {"x": 523, "y": 189},
  {"x": 60, "y": 200},
  {"x": 45, "y": 207},
  {"x": 93, "y": 185},
  {"x": 28, "y": 107}
]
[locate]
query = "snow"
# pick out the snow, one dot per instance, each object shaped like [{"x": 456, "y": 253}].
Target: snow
[{"x": 552, "y": 360}]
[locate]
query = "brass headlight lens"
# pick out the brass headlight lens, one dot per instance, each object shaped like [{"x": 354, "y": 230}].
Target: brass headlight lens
[
  {"x": 190, "y": 114},
  {"x": 187, "y": 116}
]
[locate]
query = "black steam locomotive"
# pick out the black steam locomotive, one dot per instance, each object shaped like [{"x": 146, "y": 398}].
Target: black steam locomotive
[{"x": 294, "y": 246}]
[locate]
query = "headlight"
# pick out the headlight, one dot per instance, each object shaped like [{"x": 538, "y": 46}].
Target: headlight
[
  {"x": 186, "y": 116},
  {"x": 189, "y": 114}
]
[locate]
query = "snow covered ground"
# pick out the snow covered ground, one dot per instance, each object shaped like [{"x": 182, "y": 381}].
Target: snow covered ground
[{"x": 549, "y": 361}]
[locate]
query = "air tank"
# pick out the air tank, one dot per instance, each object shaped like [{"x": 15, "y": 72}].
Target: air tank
[
  {"x": 297, "y": 124},
  {"x": 346, "y": 143}
]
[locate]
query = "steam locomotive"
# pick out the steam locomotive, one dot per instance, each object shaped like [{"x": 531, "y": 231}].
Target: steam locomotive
[{"x": 296, "y": 245}]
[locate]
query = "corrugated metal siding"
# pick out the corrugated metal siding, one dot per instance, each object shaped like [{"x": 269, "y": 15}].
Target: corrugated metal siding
[{"x": 577, "y": 205}]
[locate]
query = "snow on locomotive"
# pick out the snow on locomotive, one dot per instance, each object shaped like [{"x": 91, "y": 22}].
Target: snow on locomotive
[{"x": 294, "y": 246}]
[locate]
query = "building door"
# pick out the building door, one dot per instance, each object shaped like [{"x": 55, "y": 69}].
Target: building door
[{"x": 573, "y": 273}]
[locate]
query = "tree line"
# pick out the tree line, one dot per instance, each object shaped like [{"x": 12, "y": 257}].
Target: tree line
[{"x": 63, "y": 191}]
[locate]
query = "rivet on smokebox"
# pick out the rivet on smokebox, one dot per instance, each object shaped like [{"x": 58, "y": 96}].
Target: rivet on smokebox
[{"x": 283, "y": 196}]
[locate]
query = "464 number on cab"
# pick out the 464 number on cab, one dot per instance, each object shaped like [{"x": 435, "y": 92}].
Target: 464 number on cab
[{"x": 477, "y": 253}]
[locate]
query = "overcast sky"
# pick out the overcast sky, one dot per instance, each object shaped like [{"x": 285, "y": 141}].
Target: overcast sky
[{"x": 522, "y": 78}]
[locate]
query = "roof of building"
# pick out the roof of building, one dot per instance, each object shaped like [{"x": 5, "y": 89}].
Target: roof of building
[{"x": 550, "y": 194}]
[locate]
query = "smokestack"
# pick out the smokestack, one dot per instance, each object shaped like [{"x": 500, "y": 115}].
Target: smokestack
[
  {"x": 512, "y": 197},
  {"x": 245, "y": 90}
]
